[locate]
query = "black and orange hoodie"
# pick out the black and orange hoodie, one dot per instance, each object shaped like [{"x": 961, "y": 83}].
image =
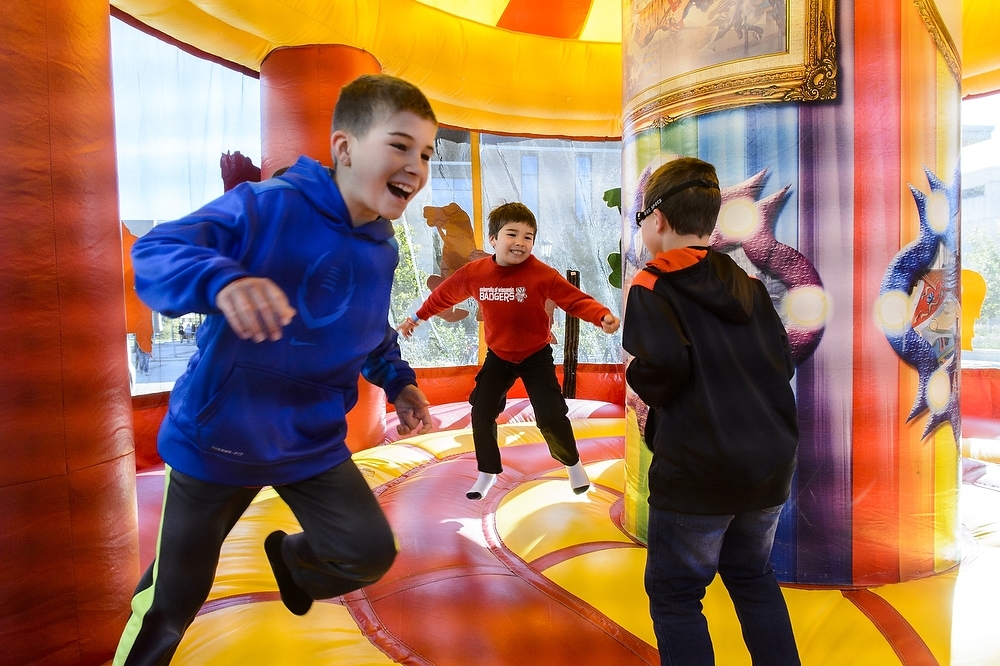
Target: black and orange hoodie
[{"x": 711, "y": 359}]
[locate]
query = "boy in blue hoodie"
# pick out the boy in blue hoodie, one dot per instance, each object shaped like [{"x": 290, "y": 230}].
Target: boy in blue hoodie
[{"x": 295, "y": 275}]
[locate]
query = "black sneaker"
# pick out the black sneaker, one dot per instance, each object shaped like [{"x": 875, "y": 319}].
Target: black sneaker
[{"x": 294, "y": 597}]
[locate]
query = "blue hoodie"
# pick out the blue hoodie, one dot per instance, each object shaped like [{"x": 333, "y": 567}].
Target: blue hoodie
[{"x": 271, "y": 413}]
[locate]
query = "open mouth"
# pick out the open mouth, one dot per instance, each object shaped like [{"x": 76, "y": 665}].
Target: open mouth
[{"x": 400, "y": 190}]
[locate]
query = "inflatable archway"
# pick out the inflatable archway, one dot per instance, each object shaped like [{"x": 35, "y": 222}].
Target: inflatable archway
[{"x": 66, "y": 438}]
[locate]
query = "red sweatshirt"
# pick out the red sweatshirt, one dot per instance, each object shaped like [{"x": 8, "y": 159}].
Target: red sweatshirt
[{"x": 512, "y": 299}]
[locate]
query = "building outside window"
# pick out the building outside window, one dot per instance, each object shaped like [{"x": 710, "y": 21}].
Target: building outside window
[{"x": 584, "y": 187}]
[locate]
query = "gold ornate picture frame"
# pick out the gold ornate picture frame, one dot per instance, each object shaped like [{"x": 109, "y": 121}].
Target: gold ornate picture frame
[
  {"x": 940, "y": 36},
  {"x": 802, "y": 69}
]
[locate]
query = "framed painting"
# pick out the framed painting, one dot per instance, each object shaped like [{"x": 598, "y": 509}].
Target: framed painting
[{"x": 685, "y": 57}]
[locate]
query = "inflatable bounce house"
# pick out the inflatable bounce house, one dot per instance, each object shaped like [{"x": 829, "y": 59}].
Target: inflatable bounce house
[{"x": 835, "y": 128}]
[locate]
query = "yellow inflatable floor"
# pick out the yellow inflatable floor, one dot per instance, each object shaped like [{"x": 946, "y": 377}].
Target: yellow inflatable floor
[{"x": 534, "y": 574}]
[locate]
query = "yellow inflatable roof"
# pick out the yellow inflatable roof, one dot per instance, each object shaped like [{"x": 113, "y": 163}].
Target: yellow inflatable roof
[
  {"x": 511, "y": 66},
  {"x": 980, "y": 47}
]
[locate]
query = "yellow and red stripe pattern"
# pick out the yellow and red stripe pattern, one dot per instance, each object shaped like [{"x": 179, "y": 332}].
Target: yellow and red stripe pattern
[
  {"x": 904, "y": 487},
  {"x": 505, "y": 580}
]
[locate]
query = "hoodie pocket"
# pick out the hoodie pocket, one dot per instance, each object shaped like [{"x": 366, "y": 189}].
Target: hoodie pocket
[{"x": 264, "y": 417}]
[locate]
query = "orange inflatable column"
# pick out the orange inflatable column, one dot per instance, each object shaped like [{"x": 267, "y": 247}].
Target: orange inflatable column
[
  {"x": 69, "y": 555},
  {"x": 299, "y": 87}
]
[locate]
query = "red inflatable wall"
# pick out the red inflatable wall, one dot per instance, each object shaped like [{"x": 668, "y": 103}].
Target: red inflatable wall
[{"x": 69, "y": 555}]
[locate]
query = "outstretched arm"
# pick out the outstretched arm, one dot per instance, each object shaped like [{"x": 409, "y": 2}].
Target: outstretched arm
[
  {"x": 450, "y": 292},
  {"x": 580, "y": 304}
]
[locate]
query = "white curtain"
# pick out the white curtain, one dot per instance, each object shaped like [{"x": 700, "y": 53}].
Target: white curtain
[{"x": 175, "y": 115}]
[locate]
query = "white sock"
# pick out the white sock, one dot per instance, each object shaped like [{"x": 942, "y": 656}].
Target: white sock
[
  {"x": 481, "y": 486},
  {"x": 578, "y": 479}
]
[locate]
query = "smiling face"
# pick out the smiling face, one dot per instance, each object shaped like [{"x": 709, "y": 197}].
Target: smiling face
[
  {"x": 380, "y": 173},
  {"x": 513, "y": 243}
]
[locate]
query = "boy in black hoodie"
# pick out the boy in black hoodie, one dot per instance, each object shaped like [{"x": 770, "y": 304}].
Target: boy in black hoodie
[{"x": 711, "y": 360}]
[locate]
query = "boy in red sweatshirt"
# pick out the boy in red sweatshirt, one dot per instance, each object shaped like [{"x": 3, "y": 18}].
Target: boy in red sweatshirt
[{"x": 511, "y": 288}]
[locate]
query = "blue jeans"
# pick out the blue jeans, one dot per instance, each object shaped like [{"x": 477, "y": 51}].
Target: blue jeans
[{"x": 684, "y": 553}]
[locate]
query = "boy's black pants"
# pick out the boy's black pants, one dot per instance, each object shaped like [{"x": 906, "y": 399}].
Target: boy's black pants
[
  {"x": 346, "y": 543},
  {"x": 489, "y": 397}
]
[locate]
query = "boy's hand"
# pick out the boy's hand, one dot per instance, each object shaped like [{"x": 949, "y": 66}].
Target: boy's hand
[
  {"x": 255, "y": 308},
  {"x": 407, "y": 327},
  {"x": 412, "y": 408},
  {"x": 610, "y": 323}
]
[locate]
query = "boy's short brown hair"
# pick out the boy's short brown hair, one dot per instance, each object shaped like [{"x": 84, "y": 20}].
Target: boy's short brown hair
[
  {"x": 373, "y": 98},
  {"x": 693, "y": 210},
  {"x": 514, "y": 211}
]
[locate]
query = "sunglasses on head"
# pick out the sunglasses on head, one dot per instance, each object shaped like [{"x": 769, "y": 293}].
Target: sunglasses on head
[{"x": 643, "y": 214}]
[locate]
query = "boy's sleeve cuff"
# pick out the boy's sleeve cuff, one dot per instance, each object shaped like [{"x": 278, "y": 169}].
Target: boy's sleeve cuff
[
  {"x": 222, "y": 280},
  {"x": 392, "y": 392}
]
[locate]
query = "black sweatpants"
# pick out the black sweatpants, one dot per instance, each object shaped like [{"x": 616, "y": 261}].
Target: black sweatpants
[
  {"x": 489, "y": 397},
  {"x": 346, "y": 543}
]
